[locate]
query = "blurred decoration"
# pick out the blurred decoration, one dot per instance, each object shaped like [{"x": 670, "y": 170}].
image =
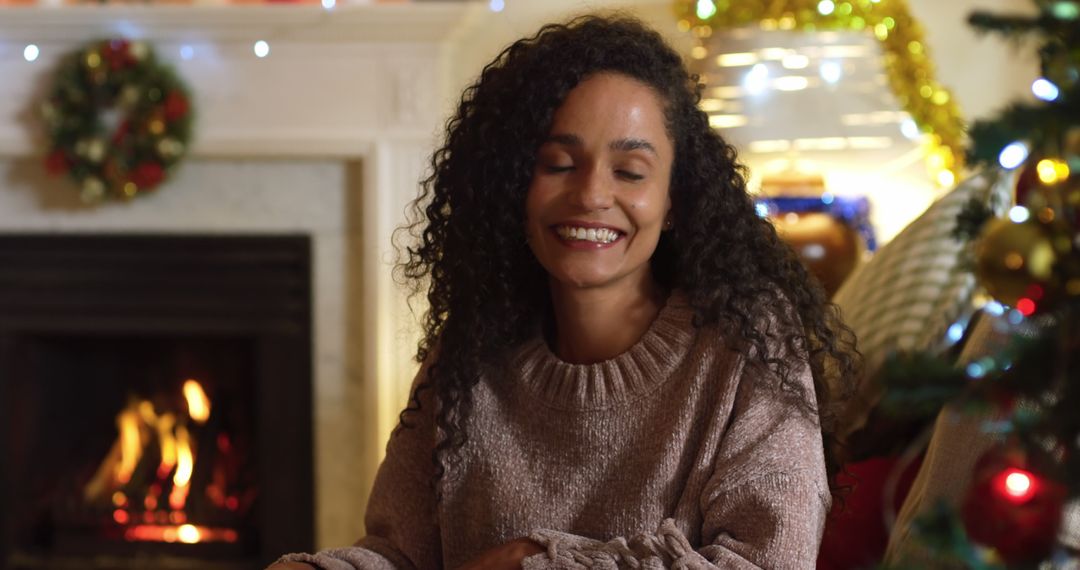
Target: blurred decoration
[
  {"x": 829, "y": 233},
  {"x": 908, "y": 68},
  {"x": 1015, "y": 511},
  {"x": 117, "y": 121},
  {"x": 1011, "y": 508},
  {"x": 855, "y": 532},
  {"x": 1015, "y": 261}
]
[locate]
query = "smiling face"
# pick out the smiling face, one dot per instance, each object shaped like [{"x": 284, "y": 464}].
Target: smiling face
[{"x": 599, "y": 194}]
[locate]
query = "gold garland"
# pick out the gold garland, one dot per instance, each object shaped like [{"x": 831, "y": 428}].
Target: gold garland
[{"x": 907, "y": 60}]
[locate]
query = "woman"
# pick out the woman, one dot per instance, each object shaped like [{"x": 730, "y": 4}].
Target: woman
[{"x": 623, "y": 365}]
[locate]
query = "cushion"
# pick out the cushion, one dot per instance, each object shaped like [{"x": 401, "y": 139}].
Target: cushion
[{"x": 916, "y": 286}]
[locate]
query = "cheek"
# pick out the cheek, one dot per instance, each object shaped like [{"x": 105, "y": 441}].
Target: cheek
[
  {"x": 649, "y": 207},
  {"x": 539, "y": 199}
]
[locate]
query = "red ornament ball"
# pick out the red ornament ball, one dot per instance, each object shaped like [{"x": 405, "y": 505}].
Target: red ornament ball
[{"x": 1012, "y": 508}]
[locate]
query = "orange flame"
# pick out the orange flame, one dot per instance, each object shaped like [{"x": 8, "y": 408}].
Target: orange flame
[
  {"x": 185, "y": 465},
  {"x": 138, "y": 424},
  {"x": 131, "y": 445},
  {"x": 167, "y": 442},
  {"x": 198, "y": 403}
]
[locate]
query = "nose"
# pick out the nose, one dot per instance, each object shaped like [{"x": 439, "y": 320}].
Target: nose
[{"x": 593, "y": 191}]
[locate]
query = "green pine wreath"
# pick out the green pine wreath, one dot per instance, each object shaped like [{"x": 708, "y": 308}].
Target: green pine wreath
[{"x": 117, "y": 120}]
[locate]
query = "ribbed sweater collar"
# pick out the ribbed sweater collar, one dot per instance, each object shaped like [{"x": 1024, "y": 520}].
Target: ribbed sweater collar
[{"x": 611, "y": 383}]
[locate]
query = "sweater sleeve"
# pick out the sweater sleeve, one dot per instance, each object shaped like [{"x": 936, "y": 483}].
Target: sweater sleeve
[
  {"x": 401, "y": 527},
  {"x": 763, "y": 506}
]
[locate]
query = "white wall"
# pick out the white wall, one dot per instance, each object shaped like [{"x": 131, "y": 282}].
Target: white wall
[{"x": 984, "y": 73}]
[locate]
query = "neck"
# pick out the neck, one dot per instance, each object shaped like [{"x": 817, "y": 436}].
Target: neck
[{"x": 594, "y": 325}]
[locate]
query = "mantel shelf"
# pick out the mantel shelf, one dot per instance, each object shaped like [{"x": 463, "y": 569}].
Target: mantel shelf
[
  {"x": 366, "y": 22},
  {"x": 335, "y": 82}
]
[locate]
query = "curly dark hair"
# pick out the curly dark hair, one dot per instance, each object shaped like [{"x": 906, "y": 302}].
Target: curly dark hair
[{"x": 486, "y": 291}]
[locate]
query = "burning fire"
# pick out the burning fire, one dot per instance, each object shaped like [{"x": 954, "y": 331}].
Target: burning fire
[
  {"x": 198, "y": 403},
  {"x": 185, "y": 465},
  {"x": 140, "y": 424},
  {"x": 130, "y": 444},
  {"x": 185, "y": 533}
]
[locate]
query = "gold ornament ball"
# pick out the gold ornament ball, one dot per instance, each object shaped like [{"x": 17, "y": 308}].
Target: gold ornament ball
[{"x": 1010, "y": 257}]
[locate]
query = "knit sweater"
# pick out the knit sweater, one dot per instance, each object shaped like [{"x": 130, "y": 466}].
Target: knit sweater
[{"x": 678, "y": 453}]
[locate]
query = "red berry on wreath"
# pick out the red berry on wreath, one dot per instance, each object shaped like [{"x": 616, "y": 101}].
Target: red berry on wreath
[
  {"x": 116, "y": 53},
  {"x": 121, "y": 132},
  {"x": 1011, "y": 507},
  {"x": 56, "y": 163},
  {"x": 176, "y": 106},
  {"x": 147, "y": 175}
]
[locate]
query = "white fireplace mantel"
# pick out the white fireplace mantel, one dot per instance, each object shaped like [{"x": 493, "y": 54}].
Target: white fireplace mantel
[
  {"x": 328, "y": 135},
  {"x": 334, "y": 82}
]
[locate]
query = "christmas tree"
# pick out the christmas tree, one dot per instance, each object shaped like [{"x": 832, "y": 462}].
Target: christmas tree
[{"x": 1028, "y": 261}]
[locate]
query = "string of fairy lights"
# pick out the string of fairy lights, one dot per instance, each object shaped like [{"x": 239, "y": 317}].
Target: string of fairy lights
[{"x": 909, "y": 70}]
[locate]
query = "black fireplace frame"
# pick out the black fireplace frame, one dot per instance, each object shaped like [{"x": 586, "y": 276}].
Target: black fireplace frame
[{"x": 254, "y": 286}]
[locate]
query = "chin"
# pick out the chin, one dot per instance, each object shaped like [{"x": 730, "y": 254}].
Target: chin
[{"x": 583, "y": 280}]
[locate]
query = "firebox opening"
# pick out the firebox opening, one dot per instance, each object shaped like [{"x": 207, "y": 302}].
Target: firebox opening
[
  {"x": 134, "y": 445},
  {"x": 155, "y": 401}
]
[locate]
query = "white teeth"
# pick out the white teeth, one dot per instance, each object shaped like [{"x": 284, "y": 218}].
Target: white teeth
[{"x": 601, "y": 235}]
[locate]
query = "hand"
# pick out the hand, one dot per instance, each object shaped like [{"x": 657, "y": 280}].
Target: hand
[
  {"x": 505, "y": 556},
  {"x": 291, "y": 566}
]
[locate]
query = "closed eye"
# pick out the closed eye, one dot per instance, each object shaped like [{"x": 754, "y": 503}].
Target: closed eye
[
  {"x": 554, "y": 168},
  {"x": 631, "y": 176}
]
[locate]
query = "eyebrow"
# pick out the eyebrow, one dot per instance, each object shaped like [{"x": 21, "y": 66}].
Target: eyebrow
[{"x": 624, "y": 145}]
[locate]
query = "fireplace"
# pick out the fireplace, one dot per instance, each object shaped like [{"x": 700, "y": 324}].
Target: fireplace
[{"x": 155, "y": 401}]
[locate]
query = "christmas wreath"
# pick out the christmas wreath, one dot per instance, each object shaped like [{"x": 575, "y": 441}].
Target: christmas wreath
[{"x": 117, "y": 120}]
